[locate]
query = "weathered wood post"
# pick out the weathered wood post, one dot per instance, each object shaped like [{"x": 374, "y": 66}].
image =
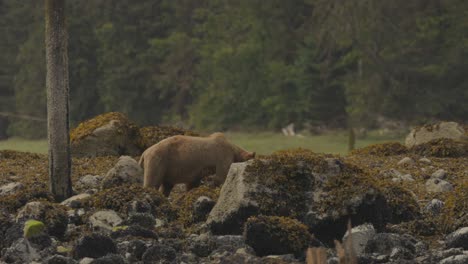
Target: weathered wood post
[{"x": 57, "y": 99}]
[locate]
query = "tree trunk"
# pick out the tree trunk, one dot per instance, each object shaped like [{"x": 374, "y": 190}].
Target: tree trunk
[{"x": 57, "y": 99}]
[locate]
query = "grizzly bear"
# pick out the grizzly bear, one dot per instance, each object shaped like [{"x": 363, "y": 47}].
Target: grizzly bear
[{"x": 183, "y": 159}]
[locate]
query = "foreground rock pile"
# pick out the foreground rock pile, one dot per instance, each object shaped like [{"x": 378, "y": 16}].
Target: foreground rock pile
[{"x": 404, "y": 207}]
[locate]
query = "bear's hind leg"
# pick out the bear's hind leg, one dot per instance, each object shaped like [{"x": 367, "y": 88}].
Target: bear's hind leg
[
  {"x": 194, "y": 184},
  {"x": 166, "y": 188}
]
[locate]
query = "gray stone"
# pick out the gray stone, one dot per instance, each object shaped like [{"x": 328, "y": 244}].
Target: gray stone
[
  {"x": 235, "y": 203},
  {"x": 144, "y": 220},
  {"x": 360, "y": 235},
  {"x": 111, "y": 139},
  {"x": 406, "y": 161},
  {"x": 201, "y": 208},
  {"x": 86, "y": 260},
  {"x": 459, "y": 259},
  {"x": 425, "y": 134},
  {"x": 434, "y": 207},
  {"x": 159, "y": 253},
  {"x": 425, "y": 160},
  {"x": 126, "y": 171},
  {"x": 403, "y": 178},
  {"x": 385, "y": 243},
  {"x": 94, "y": 246},
  {"x": 105, "y": 220},
  {"x": 201, "y": 245},
  {"x": 439, "y": 174},
  {"x": 459, "y": 238},
  {"x": 10, "y": 188},
  {"x": 90, "y": 181},
  {"x": 438, "y": 186},
  {"x": 75, "y": 201}
]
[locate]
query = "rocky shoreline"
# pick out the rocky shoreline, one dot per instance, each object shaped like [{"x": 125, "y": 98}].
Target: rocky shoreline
[{"x": 405, "y": 205}]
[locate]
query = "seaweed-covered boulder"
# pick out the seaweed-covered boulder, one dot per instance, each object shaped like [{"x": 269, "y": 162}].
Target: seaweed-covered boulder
[
  {"x": 442, "y": 147},
  {"x": 122, "y": 199},
  {"x": 159, "y": 253},
  {"x": 126, "y": 171},
  {"x": 319, "y": 190},
  {"x": 273, "y": 235},
  {"x": 110, "y": 134},
  {"x": 54, "y": 216},
  {"x": 455, "y": 211},
  {"x": 426, "y": 133},
  {"x": 94, "y": 246},
  {"x": 153, "y": 134},
  {"x": 384, "y": 149},
  {"x": 189, "y": 210},
  {"x": 104, "y": 220},
  {"x": 458, "y": 238},
  {"x": 392, "y": 244}
]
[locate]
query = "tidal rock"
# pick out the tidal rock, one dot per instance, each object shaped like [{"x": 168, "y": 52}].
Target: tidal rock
[
  {"x": 407, "y": 161},
  {"x": 459, "y": 259},
  {"x": 459, "y": 238},
  {"x": 388, "y": 243},
  {"x": 159, "y": 253},
  {"x": 360, "y": 235},
  {"x": 110, "y": 134},
  {"x": 94, "y": 246},
  {"x": 76, "y": 200},
  {"x": 427, "y": 133},
  {"x": 10, "y": 188},
  {"x": 202, "y": 207},
  {"x": 439, "y": 174},
  {"x": 89, "y": 182},
  {"x": 59, "y": 259},
  {"x": 144, "y": 220},
  {"x": 126, "y": 171},
  {"x": 434, "y": 207},
  {"x": 105, "y": 220},
  {"x": 109, "y": 259},
  {"x": 271, "y": 235},
  {"x": 53, "y": 216},
  {"x": 438, "y": 186},
  {"x": 201, "y": 245}
]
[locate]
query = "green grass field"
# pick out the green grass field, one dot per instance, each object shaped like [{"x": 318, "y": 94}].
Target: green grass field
[{"x": 262, "y": 143}]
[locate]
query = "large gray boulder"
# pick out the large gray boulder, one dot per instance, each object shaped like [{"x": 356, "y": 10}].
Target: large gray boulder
[
  {"x": 318, "y": 190},
  {"x": 419, "y": 135},
  {"x": 110, "y": 134},
  {"x": 126, "y": 171},
  {"x": 235, "y": 203}
]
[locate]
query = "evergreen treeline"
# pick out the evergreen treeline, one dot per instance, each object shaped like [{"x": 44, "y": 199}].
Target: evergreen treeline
[{"x": 219, "y": 64}]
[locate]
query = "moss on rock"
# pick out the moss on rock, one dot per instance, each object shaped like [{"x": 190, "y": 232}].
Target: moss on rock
[
  {"x": 289, "y": 174},
  {"x": 385, "y": 149},
  {"x": 273, "y": 235},
  {"x": 442, "y": 147},
  {"x": 120, "y": 198},
  {"x": 184, "y": 203},
  {"x": 33, "y": 228},
  {"x": 53, "y": 215},
  {"x": 87, "y": 127},
  {"x": 455, "y": 214},
  {"x": 401, "y": 202}
]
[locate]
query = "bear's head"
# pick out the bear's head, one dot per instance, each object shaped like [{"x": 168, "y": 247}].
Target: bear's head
[{"x": 244, "y": 156}]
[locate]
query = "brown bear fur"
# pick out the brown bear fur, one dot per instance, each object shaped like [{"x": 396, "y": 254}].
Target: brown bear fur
[{"x": 181, "y": 159}]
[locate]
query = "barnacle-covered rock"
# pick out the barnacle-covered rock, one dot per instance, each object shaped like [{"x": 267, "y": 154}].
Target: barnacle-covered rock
[
  {"x": 109, "y": 134},
  {"x": 273, "y": 235}
]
